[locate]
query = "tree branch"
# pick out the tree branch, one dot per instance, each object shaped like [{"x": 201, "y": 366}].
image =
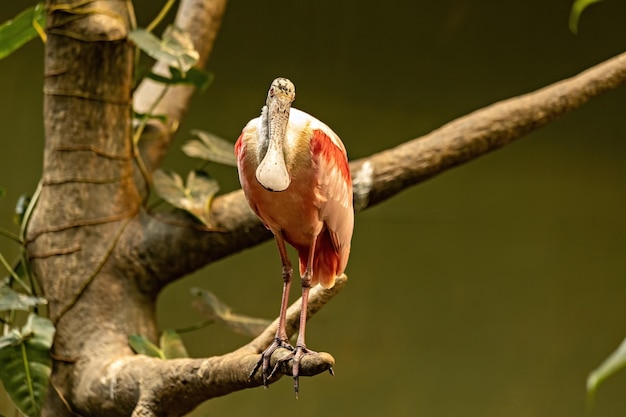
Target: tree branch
[
  {"x": 486, "y": 130},
  {"x": 148, "y": 386},
  {"x": 382, "y": 175}
]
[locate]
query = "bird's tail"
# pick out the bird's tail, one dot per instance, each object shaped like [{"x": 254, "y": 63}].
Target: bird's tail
[{"x": 326, "y": 262}]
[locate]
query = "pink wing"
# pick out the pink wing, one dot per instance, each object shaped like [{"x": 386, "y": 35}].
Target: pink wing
[
  {"x": 244, "y": 167},
  {"x": 335, "y": 200}
]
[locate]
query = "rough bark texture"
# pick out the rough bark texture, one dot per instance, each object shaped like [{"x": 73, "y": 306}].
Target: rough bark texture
[
  {"x": 87, "y": 196},
  {"x": 102, "y": 259}
]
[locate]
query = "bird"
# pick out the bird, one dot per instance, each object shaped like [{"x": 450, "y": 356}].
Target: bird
[{"x": 295, "y": 175}]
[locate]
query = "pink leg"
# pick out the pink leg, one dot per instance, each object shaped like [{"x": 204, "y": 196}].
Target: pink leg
[
  {"x": 301, "y": 350},
  {"x": 281, "y": 339}
]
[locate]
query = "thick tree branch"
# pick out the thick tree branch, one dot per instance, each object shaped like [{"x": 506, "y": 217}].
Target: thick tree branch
[
  {"x": 486, "y": 130},
  {"x": 148, "y": 386},
  {"x": 202, "y": 20},
  {"x": 385, "y": 174}
]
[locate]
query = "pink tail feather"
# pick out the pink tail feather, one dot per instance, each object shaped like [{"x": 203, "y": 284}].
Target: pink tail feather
[{"x": 326, "y": 261}]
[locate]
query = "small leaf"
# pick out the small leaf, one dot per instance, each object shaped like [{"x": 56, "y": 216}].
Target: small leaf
[
  {"x": 20, "y": 208},
  {"x": 200, "y": 190},
  {"x": 42, "y": 329},
  {"x": 147, "y": 116},
  {"x": 200, "y": 78},
  {"x": 24, "y": 27},
  {"x": 141, "y": 345},
  {"x": 25, "y": 363},
  {"x": 13, "y": 300},
  {"x": 615, "y": 362},
  {"x": 172, "y": 345},
  {"x": 159, "y": 78},
  {"x": 170, "y": 187},
  {"x": 210, "y": 148},
  {"x": 213, "y": 308},
  {"x": 13, "y": 338},
  {"x": 175, "y": 49},
  {"x": 577, "y": 8},
  {"x": 197, "y": 77},
  {"x": 195, "y": 198}
]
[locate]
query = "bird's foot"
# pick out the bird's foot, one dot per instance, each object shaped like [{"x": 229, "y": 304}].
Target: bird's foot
[
  {"x": 266, "y": 356},
  {"x": 296, "y": 355}
]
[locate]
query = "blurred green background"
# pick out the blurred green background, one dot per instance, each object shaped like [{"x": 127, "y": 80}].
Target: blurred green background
[{"x": 491, "y": 290}]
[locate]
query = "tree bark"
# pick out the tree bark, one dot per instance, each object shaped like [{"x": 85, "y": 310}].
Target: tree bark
[
  {"x": 102, "y": 258},
  {"x": 87, "y": 194}
]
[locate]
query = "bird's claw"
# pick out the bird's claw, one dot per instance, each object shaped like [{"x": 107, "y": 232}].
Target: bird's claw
[
  {"x": 264, "y": 361},
  {"x": 296, "y": 355}
]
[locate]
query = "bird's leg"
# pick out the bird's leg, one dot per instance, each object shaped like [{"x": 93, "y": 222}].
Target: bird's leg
[
  {"x": 280, "y": 340},
  {"x": 301, "y": 350}
]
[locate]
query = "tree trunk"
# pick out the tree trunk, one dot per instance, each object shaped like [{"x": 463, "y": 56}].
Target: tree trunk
[{"x": 87, "y": 197}]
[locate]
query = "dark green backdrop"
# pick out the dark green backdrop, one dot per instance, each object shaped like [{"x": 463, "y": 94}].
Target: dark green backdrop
[{"x": 491, "y": 290}]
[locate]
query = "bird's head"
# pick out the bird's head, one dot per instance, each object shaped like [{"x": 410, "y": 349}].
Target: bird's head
[
  {"x": 272, "y": 171},
  {"x": 281, "y": 92}
]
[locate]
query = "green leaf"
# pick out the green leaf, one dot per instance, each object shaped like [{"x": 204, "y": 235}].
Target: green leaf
[
  {"x": 13, "y": 338},
  {"x": 200, "y": 78},
  {"x": 24, "y": 27},
  {"x": 213, "y": 308},
  {"x": 197, "y": 77},
  {"x": 147, "y": 116},
  {"x": 25, "y": 363},
  {"x": 195, "y": 197},
  {"x": 175, "y": 49},
  {"x": 160, "y": 78},
  {"x": 615, "y": 362},
  {"x": 13, "y": 300},
  {"x": 172, "y": 345},
  {"x": 574, "y": 15},
  {"x": 141, "y": 345},
  {"x": 210, "y": 148}
]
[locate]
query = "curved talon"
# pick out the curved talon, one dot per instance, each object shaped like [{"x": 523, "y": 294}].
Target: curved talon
[
  {"x": 264, "y": 361},
  {"x": 296, "y": 355}
]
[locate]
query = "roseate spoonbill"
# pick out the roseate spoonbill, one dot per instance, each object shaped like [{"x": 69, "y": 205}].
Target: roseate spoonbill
[{"x": 295, "y": 175}]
